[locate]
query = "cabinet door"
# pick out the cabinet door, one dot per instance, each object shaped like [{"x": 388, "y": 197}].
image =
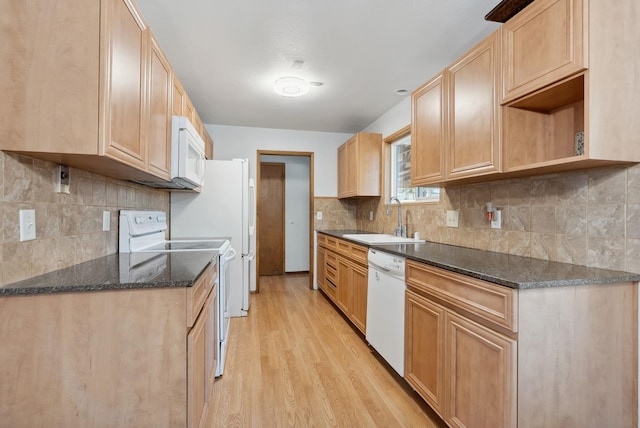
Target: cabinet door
[
  {"x": 352, "y": 170},
  {"x": 179, "y": 98},
  {"x": 424, "y": 349},
  {"x": 359, "y": 286},
  {"x": 428, "y": 124},
  {"x": 197, "y": 372},
  {"x": 480, "y": 367},
  {"x": 474, "y": 111},
  {"x": 320, "y": 271},
  {"x": 344, "y": 285},
  {"x": 211, "y": 349},
  {"x": 189, "y": 111},
  {"x": 124, "y": 115},
  {"x": 542, "y": 44},
  {"x": 342, "y": 170},
  {"x": 160, "y": 108}
]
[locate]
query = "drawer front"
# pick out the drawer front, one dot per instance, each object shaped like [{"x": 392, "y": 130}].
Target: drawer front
[
  {"x": 322, "y": 240},
  {"x": 332, "y": 243},
  {"x": 490, "y": 302},
  {"x": 197, "y": 294},
  {"x": 331, "y": 267},
  {"x": 359, "y": 253},
  {"x": 343, "y": 247}
]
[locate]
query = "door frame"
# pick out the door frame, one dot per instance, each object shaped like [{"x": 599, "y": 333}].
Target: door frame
[{"x": 309, "y": 155}]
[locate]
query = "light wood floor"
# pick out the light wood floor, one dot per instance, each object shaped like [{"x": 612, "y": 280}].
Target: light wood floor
[{"x": 295, "y": 362}]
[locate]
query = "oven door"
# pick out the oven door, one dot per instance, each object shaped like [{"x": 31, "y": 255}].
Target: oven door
[{"x": 224, "y": 261}]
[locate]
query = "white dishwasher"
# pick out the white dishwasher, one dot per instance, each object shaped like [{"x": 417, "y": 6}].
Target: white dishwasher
[{"x": 385, "y": 307}]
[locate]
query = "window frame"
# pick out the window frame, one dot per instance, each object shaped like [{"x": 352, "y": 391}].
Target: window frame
[{"x": 387, "y": 143}]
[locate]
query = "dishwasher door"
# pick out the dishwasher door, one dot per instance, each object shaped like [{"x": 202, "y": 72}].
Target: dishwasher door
[{"x": 385, "y": 307}]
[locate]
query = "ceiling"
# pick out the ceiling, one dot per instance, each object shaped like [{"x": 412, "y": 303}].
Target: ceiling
[{"x": 227, "y": 54}]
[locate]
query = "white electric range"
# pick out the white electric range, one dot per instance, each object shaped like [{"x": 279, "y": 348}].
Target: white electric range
[{"x": 142, "y": 233}]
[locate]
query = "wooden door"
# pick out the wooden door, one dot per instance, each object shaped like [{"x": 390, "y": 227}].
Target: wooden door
[{"x": 271, "y": 233}]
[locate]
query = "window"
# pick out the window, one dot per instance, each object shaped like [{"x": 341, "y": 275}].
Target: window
[{"x": 399, "y": 171}]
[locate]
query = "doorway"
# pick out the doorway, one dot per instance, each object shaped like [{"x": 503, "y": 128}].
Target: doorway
[
  {"x": 303, "y": 236},
  {"x": 271, "y": 231}
]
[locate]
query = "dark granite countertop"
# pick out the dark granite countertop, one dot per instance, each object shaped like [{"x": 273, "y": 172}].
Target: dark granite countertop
[
  {"x": 502, "y": 269},
  {"x": 119, "y": 271}
]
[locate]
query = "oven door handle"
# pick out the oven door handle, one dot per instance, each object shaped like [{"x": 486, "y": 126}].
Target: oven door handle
[{"x": 230, "y": 255}]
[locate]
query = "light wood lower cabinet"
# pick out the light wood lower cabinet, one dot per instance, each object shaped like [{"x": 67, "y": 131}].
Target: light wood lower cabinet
[
  {"x": 343, "y": 277},
  {"x": 107, "y": 358},
  {"x": 543, "y": 357}
]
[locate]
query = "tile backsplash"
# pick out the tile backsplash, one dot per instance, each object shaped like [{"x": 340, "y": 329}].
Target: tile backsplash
[
  {"x": 589, "y": 217},
  {"x": 68, "y": 226}
]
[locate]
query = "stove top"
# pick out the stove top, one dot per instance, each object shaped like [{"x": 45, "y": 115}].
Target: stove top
[
  {"x": 186, "y": 245},
  {"x": 144, "y": 232}
]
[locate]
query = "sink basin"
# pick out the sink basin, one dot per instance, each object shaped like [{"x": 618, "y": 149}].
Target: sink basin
[{"x": 380, "y": 238}]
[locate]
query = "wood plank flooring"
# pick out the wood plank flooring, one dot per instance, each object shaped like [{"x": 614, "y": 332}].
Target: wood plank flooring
[{"x": 295, "y": 362}]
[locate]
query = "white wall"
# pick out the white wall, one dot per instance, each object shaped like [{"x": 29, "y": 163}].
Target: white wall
[
  {"x": 396, "y": 118},
  {"x": 243, "y": 142},
  {"x": 296, "y": 210}
]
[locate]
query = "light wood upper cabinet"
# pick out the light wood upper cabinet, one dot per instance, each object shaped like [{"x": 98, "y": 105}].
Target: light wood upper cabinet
[
  {"x": 359, "y": 163},
  {"x": 179, "y": 98},
  {"x": 455, "y": 124},
  {"x": 474, "y": 128},
  {"x": 88, "y": 87},
  {"x": 89, "y": 107},
  {"x": 581, "y": 118},
  {"x": 124, "y": 78},
  {"x": 428, "y": 132},
  {"x": 208, "y": 149},
  {"x": 543, "y": 44},
  {"x": 160, "y": 110}
]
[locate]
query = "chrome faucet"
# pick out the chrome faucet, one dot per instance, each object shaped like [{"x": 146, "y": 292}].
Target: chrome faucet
[{"x": 401, "y": 230}]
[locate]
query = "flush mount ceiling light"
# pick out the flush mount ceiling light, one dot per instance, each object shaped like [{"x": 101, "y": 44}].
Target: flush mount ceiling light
[{"x": 291, "y": 86}]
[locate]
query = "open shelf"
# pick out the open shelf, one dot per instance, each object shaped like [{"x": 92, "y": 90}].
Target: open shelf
[{"x": 541, "y": 129}]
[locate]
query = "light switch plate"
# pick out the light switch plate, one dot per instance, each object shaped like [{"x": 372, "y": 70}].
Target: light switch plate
[
  {"x": 27, "y": 225},
  {"x": 496, "y": 221},
  {"x": 452, "y": 218},
  {"x": 319, "y": 215},
  {"x": 106, "y": 221}
]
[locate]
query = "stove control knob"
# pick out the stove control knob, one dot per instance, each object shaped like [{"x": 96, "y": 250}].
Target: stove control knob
[{"x": 139, "y": 219}]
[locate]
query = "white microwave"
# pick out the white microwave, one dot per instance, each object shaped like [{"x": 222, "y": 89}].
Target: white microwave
[
  {"x": 187, "y": 157},
  {"x": 187, "y": 154}
]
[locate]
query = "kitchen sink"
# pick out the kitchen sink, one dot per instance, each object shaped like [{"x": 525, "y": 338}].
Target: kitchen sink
[{"x": 380, "y": 238}]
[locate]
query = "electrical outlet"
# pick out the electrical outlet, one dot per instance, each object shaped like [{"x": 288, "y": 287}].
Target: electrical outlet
[
  {"x": 453, "y": 218},
  {"x": 496, "y": 221},
  {"x": 370, "y": 215},
  {"x": 319, "y": 215},
  {"x": 106, "y": 221},
  {"x": 27, "y": 225}
]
